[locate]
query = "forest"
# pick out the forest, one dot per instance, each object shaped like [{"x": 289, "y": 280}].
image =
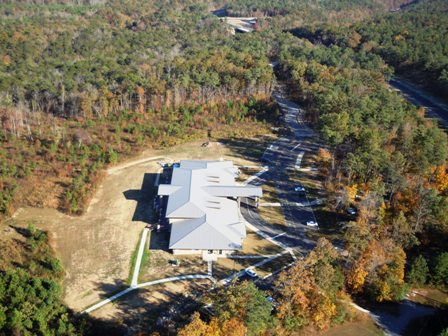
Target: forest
[
  {"x": 413, "y": 41},
  {"x": 383, "y": 155},
  {"x": 84, "y": 85},
  {"x": 107, "y": 82}
]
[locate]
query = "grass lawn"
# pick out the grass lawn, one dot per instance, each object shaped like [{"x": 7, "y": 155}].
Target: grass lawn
[
  {"x": 429, "y": 296},
  {"x": 254, "y": 244},
  {"x": 156, "y": 260},
  {"x": 271, "y": 214},
  {"x": 158, "y": 266},
  {"x": 274, "y": 265},
  {"x": 364, "y": 327},
  {"x": 249, "y": 149},
  {"x": 225, "y": 267}
]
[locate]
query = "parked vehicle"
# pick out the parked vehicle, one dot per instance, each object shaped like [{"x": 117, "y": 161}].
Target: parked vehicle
[
  {"x": 174, "y": 262},
  {"x": 251, "y": 273},
  {"x": 299, "y": 189},
  {"x": 351, "y": 211},
  {"x": 311, "y": 223}
]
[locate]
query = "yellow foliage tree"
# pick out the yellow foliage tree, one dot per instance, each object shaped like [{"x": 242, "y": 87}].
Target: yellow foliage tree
[
  {"x": 233, "y": 327},
  {"x": 357, "y": 276},
  {"x": 441, "y": 179},
  {"x": 196, "y": 327},
  {"x": 351, "y": 191}
]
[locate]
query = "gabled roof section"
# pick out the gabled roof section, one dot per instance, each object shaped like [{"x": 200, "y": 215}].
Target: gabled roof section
[
  {"x": 202, "y": 205},
  {"x": 167, "y": 189},
  {"x": 234, "y": 191},
  {"x": 200, "y": 234},
  {"x": 187, "y": 210}
]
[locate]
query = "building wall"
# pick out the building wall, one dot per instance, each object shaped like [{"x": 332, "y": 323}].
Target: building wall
[
  {"x": 206, "y": 255},
  {"x": 181, "y": 252}
]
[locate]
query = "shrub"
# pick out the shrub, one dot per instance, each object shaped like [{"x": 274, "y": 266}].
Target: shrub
[
  {"x": 418, "y": 272},
  {"x": 440, "y": 272}
]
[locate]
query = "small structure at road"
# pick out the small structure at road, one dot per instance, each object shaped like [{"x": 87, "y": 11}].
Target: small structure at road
[
  {"x": 203, "y": 208},
  {"x": 241, "y": 24}
]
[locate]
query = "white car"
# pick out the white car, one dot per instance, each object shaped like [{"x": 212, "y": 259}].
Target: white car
[
  {"x": 251, "y": 273},
  {"x": 311, "y": 223},
  {"x": 299, "y": 189},
  {"x": 351, "y": 211}
]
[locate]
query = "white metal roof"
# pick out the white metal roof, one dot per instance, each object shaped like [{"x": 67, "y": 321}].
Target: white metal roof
[{"x": 199, "y": 208}]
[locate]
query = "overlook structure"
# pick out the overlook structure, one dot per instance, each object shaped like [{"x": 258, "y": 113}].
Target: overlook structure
[{"x": 203, "y": 208}]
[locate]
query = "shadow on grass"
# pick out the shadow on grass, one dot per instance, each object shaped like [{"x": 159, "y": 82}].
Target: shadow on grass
[
  {"x": 272, "y": 249},
  {"x": 92, "y": 326},
  {"x": 249, "y": 149},
  {"x": 148, "y": 310},
  {"x": 109, "y": 289}
]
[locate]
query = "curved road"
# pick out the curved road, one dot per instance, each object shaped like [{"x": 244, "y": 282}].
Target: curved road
[{"x": 419, "y": 97}]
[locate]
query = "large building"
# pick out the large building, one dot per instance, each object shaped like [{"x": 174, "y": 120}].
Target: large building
[{"x": 203, "y": 208}]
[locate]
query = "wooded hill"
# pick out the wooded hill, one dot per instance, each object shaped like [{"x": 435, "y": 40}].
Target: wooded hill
[
  {"x": 82, "y": 86},
  {"x": 414, "y": 41}
]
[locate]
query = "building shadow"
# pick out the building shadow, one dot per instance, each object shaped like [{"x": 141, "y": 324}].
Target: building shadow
[
  {"x": 144, "y": 210},
  {"x": 159, "y": 240}
]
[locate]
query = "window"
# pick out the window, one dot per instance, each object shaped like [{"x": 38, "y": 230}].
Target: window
[{"x": 210, "y": 251}]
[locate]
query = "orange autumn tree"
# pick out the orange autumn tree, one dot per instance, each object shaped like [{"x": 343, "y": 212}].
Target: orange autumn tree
[
  {"x": 197, "y": 327},
  {"x": 233, "y": 327},
  {"x": 379, "y": 271},
  {"x": 241, "y": 309},
  {"x": 309, "y": 290},
  {"x": 441, "y": 179}
]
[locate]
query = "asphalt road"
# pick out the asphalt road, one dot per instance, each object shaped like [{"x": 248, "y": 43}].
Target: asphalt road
[
  {"x": 417, "y": 96},
  {"x": 281, "y": 156}
]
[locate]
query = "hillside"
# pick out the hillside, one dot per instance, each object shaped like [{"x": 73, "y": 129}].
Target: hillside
[{"x": 96, "y": 96}]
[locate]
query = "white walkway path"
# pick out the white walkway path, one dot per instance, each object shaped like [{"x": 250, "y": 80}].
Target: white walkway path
[{"x": 147, "y": 284}]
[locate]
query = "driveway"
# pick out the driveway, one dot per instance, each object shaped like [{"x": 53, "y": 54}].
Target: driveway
[{"x": 281, "y": 156}]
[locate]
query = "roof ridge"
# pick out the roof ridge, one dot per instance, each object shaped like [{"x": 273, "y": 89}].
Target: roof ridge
[
  {"x": 220, "y": 229},
  {"x": 199, "y": 225}
]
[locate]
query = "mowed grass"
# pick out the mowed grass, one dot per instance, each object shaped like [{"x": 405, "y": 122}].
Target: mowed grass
[
  {"x": 429, "y": 296},
  {"x": 365, "y": 327},
  {"x": 274, "y": 265},
  {"x": 256, "y": 245},
  {"x": 249, "y": 149},
  {"x": 253, "y": 245},
  {"x": 271, "y": 214},
  {"x": 157, "y": 264}
]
